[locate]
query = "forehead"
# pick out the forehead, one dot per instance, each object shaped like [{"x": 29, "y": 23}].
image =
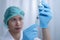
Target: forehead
[{"x": 16, "y": 17}]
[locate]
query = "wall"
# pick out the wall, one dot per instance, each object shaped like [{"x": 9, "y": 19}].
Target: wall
[{"x": 55, "y": 22}]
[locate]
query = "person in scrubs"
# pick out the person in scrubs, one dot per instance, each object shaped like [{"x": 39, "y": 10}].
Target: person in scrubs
[{"x": 13, "y": 20}]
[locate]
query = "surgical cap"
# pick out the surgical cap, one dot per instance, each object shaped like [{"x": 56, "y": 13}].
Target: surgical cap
[{"x": 11, "y": 12}]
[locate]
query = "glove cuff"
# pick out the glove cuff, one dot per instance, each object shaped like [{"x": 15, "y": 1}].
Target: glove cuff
[{"x": 44, "y": 26}]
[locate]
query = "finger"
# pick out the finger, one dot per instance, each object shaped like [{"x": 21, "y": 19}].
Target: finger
[
  {"x": 47, "y": 10},
  {"x": 45, "y": 5}
]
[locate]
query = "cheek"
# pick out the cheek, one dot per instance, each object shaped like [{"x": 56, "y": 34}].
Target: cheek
[
  {"x": 21, "y": 24},
  {"x": 12, "y": 24}
]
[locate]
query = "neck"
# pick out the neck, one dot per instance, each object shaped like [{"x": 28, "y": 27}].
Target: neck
[{"x": 15, "y": 35}]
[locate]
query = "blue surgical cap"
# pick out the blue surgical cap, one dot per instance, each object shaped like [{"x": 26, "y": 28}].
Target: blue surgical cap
[{"x": 11, "y": 12}]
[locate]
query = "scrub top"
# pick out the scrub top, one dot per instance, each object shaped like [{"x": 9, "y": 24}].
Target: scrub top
[{"x": 8, "y": 36}]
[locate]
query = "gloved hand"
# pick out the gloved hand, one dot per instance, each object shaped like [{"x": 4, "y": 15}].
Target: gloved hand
[
  {"x": 30, "y": 33},
  {"x": 44, "y": 14}
]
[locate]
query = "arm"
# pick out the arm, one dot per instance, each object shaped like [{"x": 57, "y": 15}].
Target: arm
[
  {"x": 45, "y": 17},
  {"x": 46, "y": 34}
]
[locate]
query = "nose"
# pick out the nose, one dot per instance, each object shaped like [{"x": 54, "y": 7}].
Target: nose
[{"x": 18, "y": 23}]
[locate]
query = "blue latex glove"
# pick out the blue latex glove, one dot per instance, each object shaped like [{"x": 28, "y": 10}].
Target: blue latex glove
[
  {"x": 44, "y": 14},
  {"x": 30, "y": 33}
]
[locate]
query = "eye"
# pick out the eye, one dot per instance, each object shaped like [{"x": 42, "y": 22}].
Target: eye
[
  {"x": 20, "y": 18},
  {"x": 13, "y": 19}
]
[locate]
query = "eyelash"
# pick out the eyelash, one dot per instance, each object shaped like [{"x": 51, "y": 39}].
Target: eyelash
[
  {"x": 20, "y": 18},
  {"x": 15, "y": 19}
]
